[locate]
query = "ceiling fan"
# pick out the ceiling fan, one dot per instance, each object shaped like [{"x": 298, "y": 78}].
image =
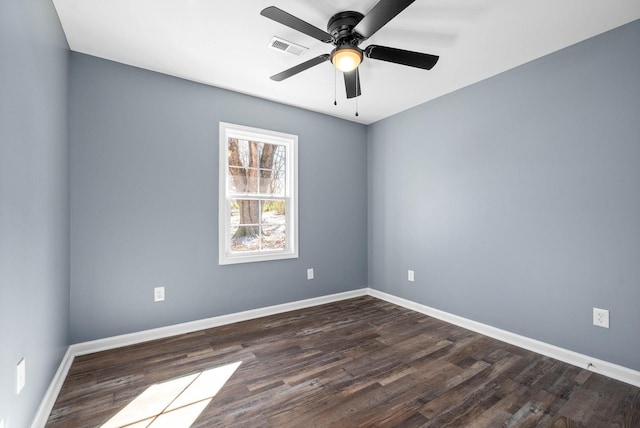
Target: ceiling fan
[{"x": 346, "y": 30}]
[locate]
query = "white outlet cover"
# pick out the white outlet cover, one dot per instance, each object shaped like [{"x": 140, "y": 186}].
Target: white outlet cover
[
  {"x": 158, "y": 294},
  {"x": 410, "y": 276},
  {"x": 21, "y": 375},
  {"x": 310, "y": 273},
  {"x": 601, "y": 317}
]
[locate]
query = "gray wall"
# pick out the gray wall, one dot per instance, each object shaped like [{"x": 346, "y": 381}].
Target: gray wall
[
  {"x": 34, "y": 251},
  {"x": 517, "y": 200},
  {"x": 144, "y": 200}
]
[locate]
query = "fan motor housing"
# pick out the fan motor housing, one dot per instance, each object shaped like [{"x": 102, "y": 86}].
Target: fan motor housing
[{"x": 341, "y": 25}]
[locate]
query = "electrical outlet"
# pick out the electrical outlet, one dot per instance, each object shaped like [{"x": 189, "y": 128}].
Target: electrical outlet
[
  {"x": 310, "y": 273},
  {"x": 21, "y": 375},
  {"x": 158, "y": 294},
  {"x": 410, "y": 276},
  {"x": 601, "y": 317}
]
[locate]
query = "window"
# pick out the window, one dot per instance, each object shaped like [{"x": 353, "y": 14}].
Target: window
[{"x": 257, "y": 214}]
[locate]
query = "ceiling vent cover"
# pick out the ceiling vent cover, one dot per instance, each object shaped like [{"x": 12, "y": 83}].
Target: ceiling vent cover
[{"x": 283, "y": 45}]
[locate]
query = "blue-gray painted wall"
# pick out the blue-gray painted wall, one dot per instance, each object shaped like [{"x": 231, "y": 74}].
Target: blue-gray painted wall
[
  {"x": 517, "y": 200},
  {"x": 144, "y": 202},
  {"x": 34, "y": 203}
]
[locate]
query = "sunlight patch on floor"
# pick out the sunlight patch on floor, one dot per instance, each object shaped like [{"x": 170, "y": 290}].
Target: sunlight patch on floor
[{"x": 176, "y": 403}]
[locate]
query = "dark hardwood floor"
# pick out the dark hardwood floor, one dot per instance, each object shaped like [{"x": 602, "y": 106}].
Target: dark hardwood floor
[{"x": 359, "y": 362}]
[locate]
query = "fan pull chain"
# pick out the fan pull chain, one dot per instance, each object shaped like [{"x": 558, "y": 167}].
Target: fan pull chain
[{"x": 357, "y": 86}]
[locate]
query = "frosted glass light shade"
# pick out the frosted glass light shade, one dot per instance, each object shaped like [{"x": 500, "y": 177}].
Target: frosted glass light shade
[{"x": 346, "y": 59}]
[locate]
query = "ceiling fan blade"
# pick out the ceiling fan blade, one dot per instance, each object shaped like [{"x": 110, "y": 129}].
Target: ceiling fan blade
[
  {"x": 291, "y": 21},
  {"x": 352, "y": 83},
  {"x": 383, "y": 12},
  {"x": 400, "y": 56},
  {"x": 300, "y": 67}
]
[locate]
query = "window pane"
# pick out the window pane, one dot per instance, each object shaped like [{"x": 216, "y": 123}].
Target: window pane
[
  {"x": 237, "y": 179},
  {"x": 274, "y": 237},
  {"x": 252, "y": 180},
  {"x": 234, "y": 214},
  {"x": 243, "y": 159},
  {"x": 243, "y": 180},
  {"x": 270, "y": 160},
  {"x": 243, "y": 241},
  {"x": 245, "y": 211},
  {"x": 272, "y": 182},
  {"x": 274, "y": 225},
  {"x": 278, "y": 175},
  {"x": 245, "y": 227},
  {"x": 279, "y": 182}
]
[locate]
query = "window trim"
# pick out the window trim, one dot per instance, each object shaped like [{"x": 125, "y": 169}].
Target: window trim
[{"x": 290, "y": 141}]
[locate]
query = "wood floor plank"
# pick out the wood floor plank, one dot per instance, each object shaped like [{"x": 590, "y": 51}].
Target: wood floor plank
[{"x": 359, "y": 362}]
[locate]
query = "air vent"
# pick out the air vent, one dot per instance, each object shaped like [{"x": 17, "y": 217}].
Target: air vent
[{"x": 286, "y": 46}]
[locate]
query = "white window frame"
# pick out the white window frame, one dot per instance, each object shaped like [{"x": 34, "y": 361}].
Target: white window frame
[{"x": 290, "y": 141}]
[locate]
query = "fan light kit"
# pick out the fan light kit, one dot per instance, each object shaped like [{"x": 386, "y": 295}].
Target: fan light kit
[
  {"x": 346, "y": 30},
  {"x": 346, "y": 59}
]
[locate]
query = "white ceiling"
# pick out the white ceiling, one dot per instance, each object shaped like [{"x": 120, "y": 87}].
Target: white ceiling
[{"x": 224, "y": 44}]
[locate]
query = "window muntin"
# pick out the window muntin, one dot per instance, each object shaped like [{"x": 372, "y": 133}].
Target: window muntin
[{"x": 258, "y": 192}]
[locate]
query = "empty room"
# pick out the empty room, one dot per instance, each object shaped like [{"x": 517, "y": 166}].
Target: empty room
[{"x": 416, "y": 213}]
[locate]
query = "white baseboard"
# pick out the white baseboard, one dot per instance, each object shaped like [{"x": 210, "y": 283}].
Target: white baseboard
[
  {"x": 50, "y": 396},
  {"x": 189, "y": 327},
  {"x": 605, "y": 368},
  {"x": 90, "y": 347}
]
